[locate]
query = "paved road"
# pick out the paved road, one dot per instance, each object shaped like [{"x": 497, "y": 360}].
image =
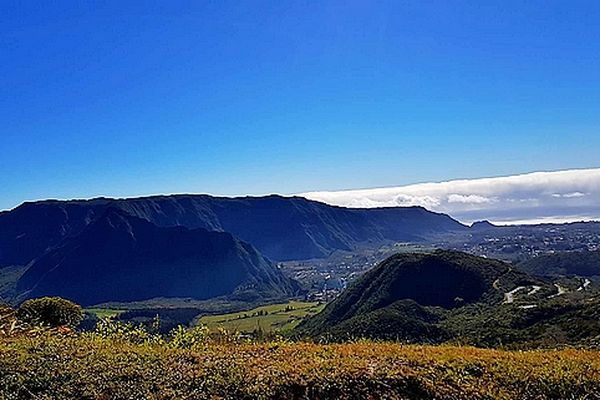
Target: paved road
[
  {"x": 560, "y": 291},
  {"x": 509, "y": 297},
  {"x": 584, "y": 286},
  {"x": 534, "y": 290}
]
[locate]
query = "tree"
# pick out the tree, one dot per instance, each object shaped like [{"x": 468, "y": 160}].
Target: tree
[{"x": 51, "y": 312}]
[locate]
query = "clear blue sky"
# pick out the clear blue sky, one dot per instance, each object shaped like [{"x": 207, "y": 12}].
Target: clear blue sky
[{"x": 131, "y": 98}]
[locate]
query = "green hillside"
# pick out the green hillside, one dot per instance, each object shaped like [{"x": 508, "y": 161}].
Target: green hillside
[
  {"x": 449, "y": 296},
  {"x": 581, "y": 263}
]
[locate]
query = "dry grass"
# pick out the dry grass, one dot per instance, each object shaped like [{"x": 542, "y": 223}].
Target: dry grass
[{"x": 88, "y": 367}]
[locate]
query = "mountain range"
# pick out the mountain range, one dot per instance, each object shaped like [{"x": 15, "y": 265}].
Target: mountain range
[
  {"x": 203, "y": 248},
  {"x": 186, "y": 245},
  {"x": 282, "y": 228}
]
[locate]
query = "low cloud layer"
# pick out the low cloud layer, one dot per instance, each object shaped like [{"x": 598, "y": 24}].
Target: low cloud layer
[{"x": 561, "y": 196}]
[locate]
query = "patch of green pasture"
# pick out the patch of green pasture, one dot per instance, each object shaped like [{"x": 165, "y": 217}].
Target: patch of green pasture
[
  {"x": 269, "y": 318},
  {"x": 104, "y": 312}
]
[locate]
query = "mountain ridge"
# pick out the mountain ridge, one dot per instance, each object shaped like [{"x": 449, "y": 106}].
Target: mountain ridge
[{"x": 282, "y": 228}]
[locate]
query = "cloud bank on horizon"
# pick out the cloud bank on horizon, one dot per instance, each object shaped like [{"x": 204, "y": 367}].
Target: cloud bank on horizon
[{"x": 560, "y": 196}]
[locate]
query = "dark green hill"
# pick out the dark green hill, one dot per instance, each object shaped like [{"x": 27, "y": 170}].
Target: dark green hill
[
  {"x": 452, "y": 296},
  {"x": 118, "y": 257},
  {"x": 564, "y": 320},
  {"x": 581, "y": 263},
  {"x": 411, "y": 287}
]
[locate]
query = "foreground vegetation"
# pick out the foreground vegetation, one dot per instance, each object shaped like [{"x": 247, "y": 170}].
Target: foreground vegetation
[
  {"x": 42, "y": 356},
  {"x": 51, "y": 366}
]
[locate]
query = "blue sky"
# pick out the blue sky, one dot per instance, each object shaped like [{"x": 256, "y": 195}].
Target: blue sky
[{"x": 251, "y": 97}]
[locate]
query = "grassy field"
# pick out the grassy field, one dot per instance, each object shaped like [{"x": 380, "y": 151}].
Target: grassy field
[
  {"x": 270, "y": 318},
  {"x": 89, "y": 367},
  {"x": 104, "y": 312}
]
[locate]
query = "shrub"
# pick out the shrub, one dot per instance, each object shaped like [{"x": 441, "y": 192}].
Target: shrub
[
  {"x": 108, "y": 328},
  {"x": 50, "y": 312},
  {"x": 188, "y": 338}
]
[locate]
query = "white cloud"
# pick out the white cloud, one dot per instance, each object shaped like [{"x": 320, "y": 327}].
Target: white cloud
[
  {"x": 540, "y": 196},
  {"x": 470, "y": 198},
  {"x": 568, "y": 195}
]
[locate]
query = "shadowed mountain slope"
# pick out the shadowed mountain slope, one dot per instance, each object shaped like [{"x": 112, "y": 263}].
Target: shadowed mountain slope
[{"x": 118, "y": 257}]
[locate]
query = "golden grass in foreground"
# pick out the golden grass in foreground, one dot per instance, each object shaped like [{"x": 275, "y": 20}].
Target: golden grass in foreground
[{"x": 52, "y": 367}]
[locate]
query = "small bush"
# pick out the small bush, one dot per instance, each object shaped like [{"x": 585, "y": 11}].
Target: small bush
[
  {"x": 50, "y": 312},
  {"x": 108, "y": 328},
  {"x": 188, "y": 338}
]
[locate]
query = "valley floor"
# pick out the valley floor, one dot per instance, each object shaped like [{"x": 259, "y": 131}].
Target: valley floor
[{"x": 87, "y": 367}]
